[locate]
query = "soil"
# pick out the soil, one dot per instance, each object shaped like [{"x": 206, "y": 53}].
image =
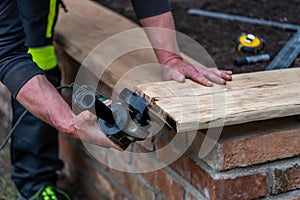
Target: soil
[{"x": 218, "y": 36}]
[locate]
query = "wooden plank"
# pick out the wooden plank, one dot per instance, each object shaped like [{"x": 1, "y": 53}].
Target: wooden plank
[
  {"x": 249, "y": 97},
  {"x": 88, "y": 26},
  {"x": 85, "y": 25}
]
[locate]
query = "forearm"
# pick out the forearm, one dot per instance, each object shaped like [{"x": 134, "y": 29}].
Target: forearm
[
  {"x": 161, "y": 32},
  {"x": 40, "y": 98},
  {"x": 162, "y": 36}
]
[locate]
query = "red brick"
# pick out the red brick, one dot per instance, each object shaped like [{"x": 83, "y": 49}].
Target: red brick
[
  {"x": 191, "y": 197},
  {"x": 90, "y": 173},
  {"x": 105, "y": 186},
  {"x": 200, "y": 179},
  {"x": 253, "y": 143},
  {"x": 90, "y": 192},
  {"x": 68, "y": 151},
  {"x": 184, "y": 166},
  {"x": 294, "y": 198},
  {"x": 166, "y": 184},
  {"x": 145, "y": 162},
  {"x": 244, "y": 186},
  {"x": 136, "y": 187},
  {"x": 261, "y": 149},
  {"x": 286, "y": 179},
  {"x": 173, "y": 153}
]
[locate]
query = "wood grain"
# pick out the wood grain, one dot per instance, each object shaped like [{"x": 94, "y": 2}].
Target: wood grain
[
  {"x": 114, "y": 49},
  {"x": 94, "y": 35},
  {"x": 108, "y": 44},
  {"x": 249, "y": 97}
]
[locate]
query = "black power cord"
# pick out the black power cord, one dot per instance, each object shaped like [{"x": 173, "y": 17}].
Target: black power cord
[
  {"x": 12, "y": 130},
  {"x": 70, "y": 86}
]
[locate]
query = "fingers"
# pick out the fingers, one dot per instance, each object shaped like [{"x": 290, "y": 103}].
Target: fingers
[
  {"x": 227, "y": 75},
  {"x": 215, "y": 76},
  {"x": 202, "y": 75},
  {"x": 208, "y": 75},
  {"x": 89, "y": 131},
  {"x": 109, "y": 143},
  {"x": 198, "y": 77},
  {"x": 88, "y": 116},
  {"x": 172, "y": 74}
]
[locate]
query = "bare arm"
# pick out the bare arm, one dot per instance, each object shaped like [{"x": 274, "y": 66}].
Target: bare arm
[
  {"x": 40, "y": 98},
  {"x": 173, "y": 65}
]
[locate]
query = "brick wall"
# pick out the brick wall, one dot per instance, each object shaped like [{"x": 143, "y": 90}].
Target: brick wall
[{"x": 258, "y": 160}]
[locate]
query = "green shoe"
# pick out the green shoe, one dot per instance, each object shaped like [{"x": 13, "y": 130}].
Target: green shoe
[{"x": 50, "y": 193}]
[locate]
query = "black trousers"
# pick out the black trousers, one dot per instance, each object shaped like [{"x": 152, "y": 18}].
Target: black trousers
[
  {"x": 34, "y": 149},
  {"x": 34, "y": 146}
]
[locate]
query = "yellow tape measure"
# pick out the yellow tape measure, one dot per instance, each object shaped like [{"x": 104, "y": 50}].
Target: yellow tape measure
[{"x": 249, "y": 43}]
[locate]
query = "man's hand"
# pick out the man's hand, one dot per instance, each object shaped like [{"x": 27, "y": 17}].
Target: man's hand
[
  {"x": 40, "y": 98},
  {"x": 88, "y": 130},
  {"x": 161, "y": 32},
  {"x": 176, "y": 69}
]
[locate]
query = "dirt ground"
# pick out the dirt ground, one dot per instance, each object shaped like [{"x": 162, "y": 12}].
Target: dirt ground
[
  {"x": 7, "y": 188},
  {"x": 218, "y": 36}
]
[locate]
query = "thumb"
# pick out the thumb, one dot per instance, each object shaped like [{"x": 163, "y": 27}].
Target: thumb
[{"x": 171, "y": 74}]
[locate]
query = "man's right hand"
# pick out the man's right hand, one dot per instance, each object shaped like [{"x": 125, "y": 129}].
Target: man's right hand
[{"x": 40, "y": 98}]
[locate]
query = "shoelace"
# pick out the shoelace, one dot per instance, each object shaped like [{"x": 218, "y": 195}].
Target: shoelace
[{"x": 49, "y": 193}]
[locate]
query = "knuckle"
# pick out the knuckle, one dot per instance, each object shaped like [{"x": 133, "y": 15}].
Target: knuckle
[{"x": 86, "y": 115}]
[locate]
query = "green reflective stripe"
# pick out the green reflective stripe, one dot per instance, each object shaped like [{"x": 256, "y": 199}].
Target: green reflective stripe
[
  {"x": 49, "y": 190},
  {"x": 50, "y": 193},
  {"x": 44, "y": 57},
  {"x": 51, "y": 17}
]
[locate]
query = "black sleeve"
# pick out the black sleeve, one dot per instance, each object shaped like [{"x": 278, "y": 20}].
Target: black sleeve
[
  {"x": 149, "y": 8},
  {"x": 16, "y": 65},
  {"x": 16, "y": 69}
]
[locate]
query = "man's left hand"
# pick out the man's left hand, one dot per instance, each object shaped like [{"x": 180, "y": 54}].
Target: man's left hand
[{"x": 176, "y": 69}]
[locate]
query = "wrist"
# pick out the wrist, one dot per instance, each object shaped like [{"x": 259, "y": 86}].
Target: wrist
[
  {"x": 167, "y": 58},
  {"x": 173, "y": 60},
  {"x": 67, "y": 126}
]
